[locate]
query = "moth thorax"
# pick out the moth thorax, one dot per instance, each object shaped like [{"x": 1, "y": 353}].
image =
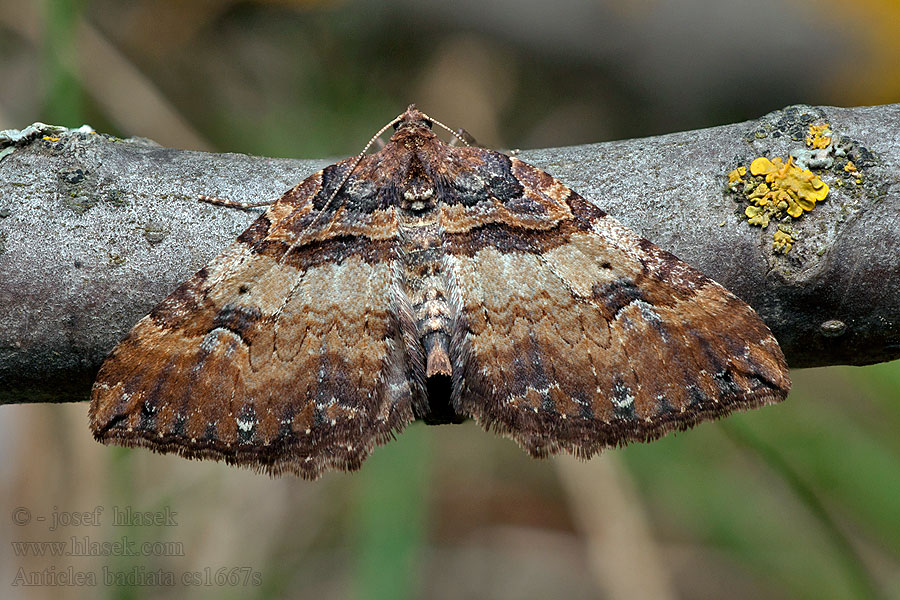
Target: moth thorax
[{"x": 418, "y": 197}]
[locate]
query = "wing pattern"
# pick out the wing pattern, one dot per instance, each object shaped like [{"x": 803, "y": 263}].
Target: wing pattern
[
  {"x": 283, "y": 353},
  {"x": 433, "y": 282},
  {"x": 584, "y": 335}
]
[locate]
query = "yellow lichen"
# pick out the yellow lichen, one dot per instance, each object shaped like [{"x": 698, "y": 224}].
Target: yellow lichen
[
  {"x": 49, "y": 138},
  {"x": 782, "y": 242},
  {"x": 737, "y": 175},
  {"x": 819, "y": 136},
  {"x": 760, "y": 194},
  {"x": 796, "y": 189},
  {"x": 757, "y": 215},
  {"x": 850, "y": 166}
]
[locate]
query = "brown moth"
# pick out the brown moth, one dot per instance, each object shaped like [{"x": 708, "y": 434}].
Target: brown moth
[{"x": 434, "y": 282}]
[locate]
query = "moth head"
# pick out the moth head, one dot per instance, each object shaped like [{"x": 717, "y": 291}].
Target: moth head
[{"x": 413, "y": 117}]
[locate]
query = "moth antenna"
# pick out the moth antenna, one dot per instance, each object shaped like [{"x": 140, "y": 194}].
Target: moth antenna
[
  {"x": 233, "y": 203},
  {"x": 327, "y": 205},
  {"x": 453, "y": 133},
  {"x": 247, "y": 205},
  {"x": 356, "y": 162},
  {"x": 352, "y": 168},
  {"x": 362, "y": 155}
]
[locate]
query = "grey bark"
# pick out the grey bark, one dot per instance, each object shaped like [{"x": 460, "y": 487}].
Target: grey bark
[{"x": 95, "y": 230}]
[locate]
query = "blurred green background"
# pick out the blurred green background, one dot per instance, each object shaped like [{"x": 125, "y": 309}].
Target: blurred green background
[{"x": 800, "y": 500}]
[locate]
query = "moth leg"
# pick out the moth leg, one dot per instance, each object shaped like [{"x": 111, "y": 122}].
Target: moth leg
[
  {"x": 464, "y": 137},
  {"x": 233, "y": 203}
]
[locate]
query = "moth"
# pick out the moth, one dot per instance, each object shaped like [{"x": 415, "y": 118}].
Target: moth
[{"x": 434, "y": 282}]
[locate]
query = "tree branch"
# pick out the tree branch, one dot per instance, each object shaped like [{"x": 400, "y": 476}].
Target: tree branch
[{"x": 95, "y": 230}]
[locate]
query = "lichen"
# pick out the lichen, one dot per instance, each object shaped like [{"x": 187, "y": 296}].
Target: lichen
[
  {"x": 757, "y": 216},
  {"x": 776, "y": 190},
  {"x": 737, "y": 175},
  {"x": 782, "y": 241},
  {"x": 155, "y": 232},
  {"x": 821, "y": 158},
  {"x": 819, "y": 136},
  {"x": 786, "y": 186}
]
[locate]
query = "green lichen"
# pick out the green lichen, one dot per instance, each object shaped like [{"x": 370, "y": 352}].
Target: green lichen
[
  {"x": 116, "y": 197},
  {"x": 80, "y": 202}
]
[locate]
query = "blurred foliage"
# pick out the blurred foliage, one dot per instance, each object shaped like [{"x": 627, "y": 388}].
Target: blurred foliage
[
  {"x": 63, "y": 94},
  {"x": 391, "y": 514}
]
